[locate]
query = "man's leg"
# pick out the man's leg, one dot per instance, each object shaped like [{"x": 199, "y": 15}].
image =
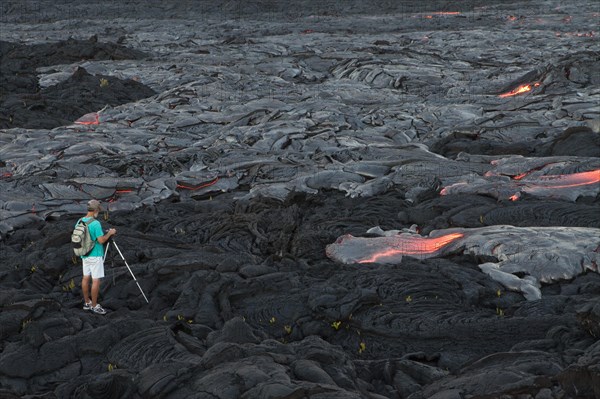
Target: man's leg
[
  {"x": 97, "y": 269},
  {"x": 95, "y": 290},
  {"x": 85, "y": 288}
]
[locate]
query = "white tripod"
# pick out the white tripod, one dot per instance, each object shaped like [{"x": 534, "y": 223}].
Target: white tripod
[{"x": 128, "y": 268}]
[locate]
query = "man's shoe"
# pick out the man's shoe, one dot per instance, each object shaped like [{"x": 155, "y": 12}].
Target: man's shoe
[
  {"x": 87, "y": 306},
  {"x": 98, "y": 309}
]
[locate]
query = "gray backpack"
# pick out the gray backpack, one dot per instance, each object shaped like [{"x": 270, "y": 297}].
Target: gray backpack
[{"x": 81, "y": 239}]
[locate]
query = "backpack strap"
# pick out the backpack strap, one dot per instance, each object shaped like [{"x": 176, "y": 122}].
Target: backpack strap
[
  {"x": 88, "y": 222},
  {"x": 92, "y": 220}
]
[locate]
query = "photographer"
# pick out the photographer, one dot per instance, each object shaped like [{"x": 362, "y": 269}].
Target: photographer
[{"x": 93, "y": 263}]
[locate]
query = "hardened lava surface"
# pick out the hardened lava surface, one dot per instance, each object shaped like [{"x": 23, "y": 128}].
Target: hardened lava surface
[{"x": 321, "y": 199}]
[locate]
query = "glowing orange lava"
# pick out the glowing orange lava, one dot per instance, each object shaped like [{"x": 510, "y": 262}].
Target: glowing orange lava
[
  {"x": 523, "y": 183},
  {"x": 117, "y": 193},
  {"x": 430, "y": 15},
  {"x": 519, "y": 90},
  {"x": 414, "y": 246},
  {"x": 522, "y": 175},
  {"x": 572, "y": 180},
  {"x": 89, "y": 119},
  {"x": 444, "y": 190}
]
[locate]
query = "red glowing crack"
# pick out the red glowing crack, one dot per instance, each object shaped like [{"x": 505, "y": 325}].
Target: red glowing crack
[
  {"x": 519, "y": 90},
  {"x": 523, "y": 182},
  {"x": 350, "y": 249},
  {"x": 439, "y": 13},
  {"x": 520, "y": 176},
  {"x": 119, "y": 192},
  {"x": 193, "y": 188}
]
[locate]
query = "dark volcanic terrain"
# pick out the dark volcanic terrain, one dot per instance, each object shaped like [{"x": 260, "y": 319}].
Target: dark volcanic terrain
[{"x": 320, "y": 199}]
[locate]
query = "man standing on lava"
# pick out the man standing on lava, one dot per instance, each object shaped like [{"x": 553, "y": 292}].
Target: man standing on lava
[{"x": 93, "y": 263}]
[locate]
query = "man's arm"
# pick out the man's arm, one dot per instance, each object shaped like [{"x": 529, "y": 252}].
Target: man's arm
[
  {"x": 96, "y": 232},
  {"x": 106, "y": 237}
]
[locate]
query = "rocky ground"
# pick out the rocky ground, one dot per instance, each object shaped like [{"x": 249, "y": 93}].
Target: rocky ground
[{"x": 332, "y": 199}]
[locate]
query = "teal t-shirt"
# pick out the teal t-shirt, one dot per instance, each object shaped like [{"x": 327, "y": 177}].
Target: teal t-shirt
[{"x": 95, "y": 231}]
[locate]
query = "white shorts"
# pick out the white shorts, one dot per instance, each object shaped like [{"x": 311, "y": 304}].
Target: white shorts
[{"x": 93, "y": 265}]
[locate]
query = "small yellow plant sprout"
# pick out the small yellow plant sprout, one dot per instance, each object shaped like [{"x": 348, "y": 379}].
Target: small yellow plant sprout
[
  {"x": 24, "y": 323},
  {"x": 69, "y": 287},
  {"x": 362, "y": 347}
]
